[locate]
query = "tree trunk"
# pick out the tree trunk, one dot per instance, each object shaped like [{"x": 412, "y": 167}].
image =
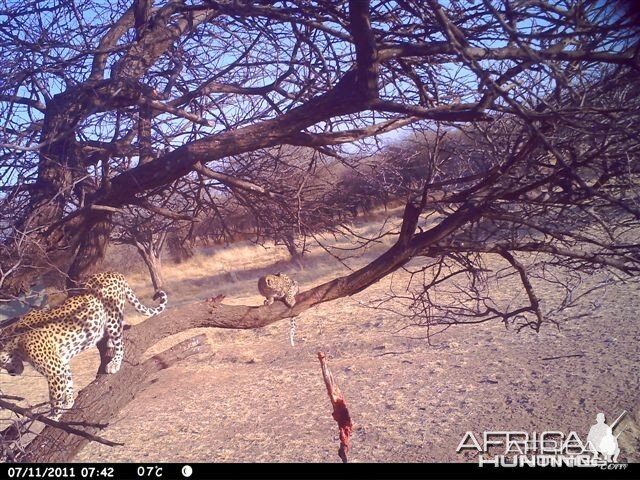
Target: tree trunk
[
  {"x": 120, "y": 389},
  {"x": 296, "y": 255},
  {"x": 150, "y": 252},
  {"x": 90, "y": 243},
  {"x": 153, "y": 263}
]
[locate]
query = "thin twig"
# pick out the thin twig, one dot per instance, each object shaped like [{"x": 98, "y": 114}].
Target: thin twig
[
  {"x": 53, "y": 423},
  {"x": 563, "y": 356}
]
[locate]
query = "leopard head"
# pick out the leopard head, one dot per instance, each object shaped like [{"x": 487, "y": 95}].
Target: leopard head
[{"x": 11, "y": 363}]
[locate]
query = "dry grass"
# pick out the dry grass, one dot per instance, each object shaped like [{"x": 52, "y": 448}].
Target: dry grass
[{"x": 233, "y": 270}]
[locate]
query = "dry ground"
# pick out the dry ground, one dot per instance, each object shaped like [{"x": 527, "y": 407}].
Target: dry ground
[{"x": 257, "y": 398}]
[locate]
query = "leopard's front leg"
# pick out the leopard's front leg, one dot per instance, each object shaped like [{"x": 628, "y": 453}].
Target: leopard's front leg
[
  {"x": 60, "y": 389},
  {"x": 47, "y": 359}
]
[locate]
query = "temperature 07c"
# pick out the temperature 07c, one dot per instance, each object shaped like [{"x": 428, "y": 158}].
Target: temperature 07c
[{"x": 150, "y": 472}]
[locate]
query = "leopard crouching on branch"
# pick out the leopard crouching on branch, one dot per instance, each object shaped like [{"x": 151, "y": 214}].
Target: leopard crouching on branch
[
  {"x": 49, "y": 339},
  {"x": 279, "y": 287},
  {"x": 282, "y": 287}
]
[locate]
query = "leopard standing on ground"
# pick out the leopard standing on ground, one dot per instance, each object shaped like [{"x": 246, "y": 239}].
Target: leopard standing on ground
[{"x": 49, "y": 339}]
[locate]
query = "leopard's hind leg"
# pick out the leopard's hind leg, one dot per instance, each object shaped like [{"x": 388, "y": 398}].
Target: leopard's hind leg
[
  {"x": 114, "y": 330},
  {"x": 290, "y": 297}
]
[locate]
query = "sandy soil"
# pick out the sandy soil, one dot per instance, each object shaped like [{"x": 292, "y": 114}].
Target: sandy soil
[{"x": 257, "y": 398}]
